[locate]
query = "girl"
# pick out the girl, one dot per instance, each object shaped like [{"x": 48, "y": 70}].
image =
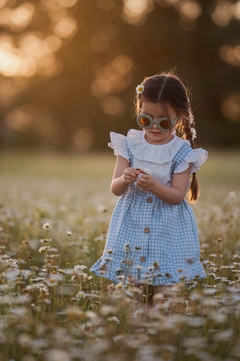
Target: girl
[{"x": 153, "y": 237}]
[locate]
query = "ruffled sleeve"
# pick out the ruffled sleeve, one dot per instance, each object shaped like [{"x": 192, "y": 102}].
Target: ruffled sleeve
[
  {"x": 196, "y": 157},
  {"x": 118, "y": 144}
]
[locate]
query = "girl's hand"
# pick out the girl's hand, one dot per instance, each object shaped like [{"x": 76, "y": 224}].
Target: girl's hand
[
  {"x": 146, "y": 182},
  {"x": 130, "y": 175}
]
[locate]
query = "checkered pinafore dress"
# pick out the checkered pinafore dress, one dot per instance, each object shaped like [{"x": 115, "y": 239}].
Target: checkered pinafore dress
[{"x": 150, "y": 241}]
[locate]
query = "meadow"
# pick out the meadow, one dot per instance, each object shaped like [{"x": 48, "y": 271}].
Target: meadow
[{"x": 54, "y": 214}]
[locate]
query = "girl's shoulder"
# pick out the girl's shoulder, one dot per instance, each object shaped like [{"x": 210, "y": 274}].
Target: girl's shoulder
[{"x": 118, "y": 144}]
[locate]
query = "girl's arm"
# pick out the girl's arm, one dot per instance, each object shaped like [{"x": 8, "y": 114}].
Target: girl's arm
[
  {"x": 123, "y": 175},
  {"x": 172, "y": 195}
]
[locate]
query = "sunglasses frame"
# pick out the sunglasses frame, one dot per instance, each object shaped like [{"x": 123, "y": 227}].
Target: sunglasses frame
[{"x": 157, "y": 122}]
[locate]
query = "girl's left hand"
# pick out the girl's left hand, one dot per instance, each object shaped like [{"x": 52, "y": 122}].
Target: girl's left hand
[{"x": 146, "y": 182}]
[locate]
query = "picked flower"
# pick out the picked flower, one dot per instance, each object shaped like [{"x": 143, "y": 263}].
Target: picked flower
[
  {"x": 47, "y": 225},
  {"x": 146, "y": 171},
  {"x": 69, "y": 233},
  {"x": 140, "y": 89}
]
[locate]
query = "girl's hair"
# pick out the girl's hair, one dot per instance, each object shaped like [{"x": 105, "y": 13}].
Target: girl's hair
[{"x": 168, "y": 88}]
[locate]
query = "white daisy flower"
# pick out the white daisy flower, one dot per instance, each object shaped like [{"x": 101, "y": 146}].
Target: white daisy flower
[
  {"x": 194, "y": 133},
  {"x": 146, "y": 171},
  {"x": 140, "y": 89},
  {"x": 47, "y": 225},
  {"x": 113, "y": 319},
  {"x": 69, "y": 233},
  {"x": 45, "y": 240}
]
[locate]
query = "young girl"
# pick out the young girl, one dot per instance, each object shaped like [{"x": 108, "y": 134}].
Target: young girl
[{"x": 153, "y": 237}]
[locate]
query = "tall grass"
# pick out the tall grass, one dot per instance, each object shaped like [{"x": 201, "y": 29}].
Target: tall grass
[{"x": 53, "y": 221}]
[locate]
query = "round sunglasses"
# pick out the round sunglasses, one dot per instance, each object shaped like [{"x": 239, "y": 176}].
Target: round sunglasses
[{"x": 163, "y": 124}]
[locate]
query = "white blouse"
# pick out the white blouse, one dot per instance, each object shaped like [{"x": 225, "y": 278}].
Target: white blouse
[{"x": 155, "y": 159}]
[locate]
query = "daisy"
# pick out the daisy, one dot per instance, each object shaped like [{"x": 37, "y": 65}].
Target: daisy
[{"x": 140, "y": 89}]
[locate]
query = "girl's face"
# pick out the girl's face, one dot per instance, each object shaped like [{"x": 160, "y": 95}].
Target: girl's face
[{"x": 155, "y": 110}]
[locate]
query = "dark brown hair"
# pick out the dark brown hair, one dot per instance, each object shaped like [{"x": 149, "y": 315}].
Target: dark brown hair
[{"x": 167, "y": 88}]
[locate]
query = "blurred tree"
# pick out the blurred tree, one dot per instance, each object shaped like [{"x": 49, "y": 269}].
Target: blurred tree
[{"x": 69, "y": 67}]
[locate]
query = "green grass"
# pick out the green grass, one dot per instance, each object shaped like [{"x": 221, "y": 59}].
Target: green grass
[
  {"x": 86, "y": 165},
  {"x": 221, "y": 168}
]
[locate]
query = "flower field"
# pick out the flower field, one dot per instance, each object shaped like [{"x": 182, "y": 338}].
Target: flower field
[{"x": 54, "y": 214}]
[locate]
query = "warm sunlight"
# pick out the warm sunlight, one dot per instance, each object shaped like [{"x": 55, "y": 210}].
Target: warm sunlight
[
  {"x": 112, "y": 105},
  {"x": 231, "y": 106},
  {"x": 135, "y": 12},
  {"x": 66, "y": 27},
  {"x": 83, "y": 138},
  {"x": 22, "y": 16},
  {"x": 190, "y": 9},
  {"x": 222, "y": 13}
]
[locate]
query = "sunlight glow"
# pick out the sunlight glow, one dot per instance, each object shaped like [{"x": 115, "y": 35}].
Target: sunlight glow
[
  {"x": 5, "y": 16},
  {"x": 34, "y": 55},
  {"x": 14, "y": 63},
  {"x": 67, "y": 3},
  {"x": 66, "y": 27},
  {"x": 112, "y": 77},
  {"x": 231, "y": 106},
  {"x": 112, "y": 105},
  {"x": 20, "y": 119},
  {"x": 172, "y": 2},
  {"x": 50, "y": 4},
  {"x": 83, "y": 138},
  {"x": 236, "y": 10},
  {"x": 42, "y": 51},
  {"x": 134, "y": 11},
  {"x": 190, "y": 9},
  {"x": 57, "y": 14},
  {"x": 222, "y": 13},
  {"x": 2, "y": 3},
  {"x": 105, "y": 34},
  {"x": 122, "y": 63},
  {"x": 53, "y": 42},
  {"x": 230, "y": 54},
  {"x": 7, "y": 92},
  {"x": 22, "y": 16}
]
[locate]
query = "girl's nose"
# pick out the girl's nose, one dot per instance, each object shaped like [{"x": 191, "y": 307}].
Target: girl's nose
[{"x": 154, "y": 125}]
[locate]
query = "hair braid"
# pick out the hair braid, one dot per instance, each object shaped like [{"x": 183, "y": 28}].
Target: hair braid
[{"x": 189, "y": 134}]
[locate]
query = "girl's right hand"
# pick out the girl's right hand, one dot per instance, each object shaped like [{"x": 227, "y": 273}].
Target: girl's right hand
[{"x": 130, "y": 175}]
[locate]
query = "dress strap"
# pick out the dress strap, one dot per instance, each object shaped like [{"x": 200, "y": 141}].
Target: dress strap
[
  {"x": 179, "y": 157},
  {"x": 130, "y": 155}
]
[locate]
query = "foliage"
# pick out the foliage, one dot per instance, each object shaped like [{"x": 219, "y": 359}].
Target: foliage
[{"x": 69, "y": 67}]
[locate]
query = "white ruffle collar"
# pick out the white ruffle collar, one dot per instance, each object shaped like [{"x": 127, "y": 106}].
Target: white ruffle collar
[{"x": 156, "y": 153}]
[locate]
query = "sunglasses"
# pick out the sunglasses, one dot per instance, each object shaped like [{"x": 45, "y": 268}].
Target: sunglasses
[{"x": 163, "y": 124}]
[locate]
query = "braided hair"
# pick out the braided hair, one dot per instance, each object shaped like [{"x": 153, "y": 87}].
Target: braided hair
[{"x": 168, "y": 88}]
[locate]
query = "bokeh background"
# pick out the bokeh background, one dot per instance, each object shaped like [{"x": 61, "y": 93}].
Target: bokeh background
[{"x": 68, "y": 68}]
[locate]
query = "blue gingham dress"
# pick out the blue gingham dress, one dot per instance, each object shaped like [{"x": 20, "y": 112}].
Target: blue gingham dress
[{"x": 150, "y": 241}]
